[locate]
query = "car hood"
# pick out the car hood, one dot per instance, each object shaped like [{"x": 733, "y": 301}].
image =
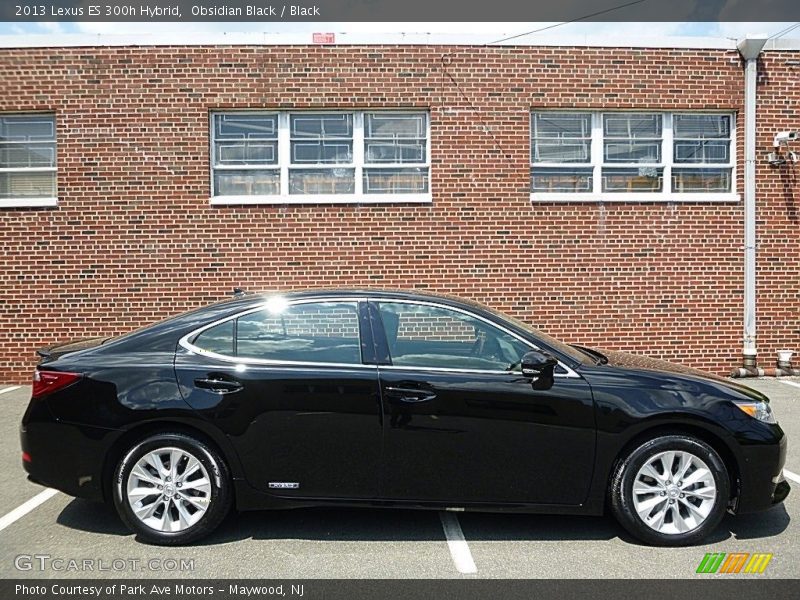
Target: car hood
[{"x": 634, "y": 361}]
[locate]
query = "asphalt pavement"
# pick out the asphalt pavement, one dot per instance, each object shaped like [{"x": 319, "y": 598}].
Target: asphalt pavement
[{"x": 64, "y": 537}]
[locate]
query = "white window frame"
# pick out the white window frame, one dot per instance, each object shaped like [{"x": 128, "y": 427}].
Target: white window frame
[
  {"x": 597, "y": 163},
  {"x": 33, "y": 202},
  {"x": 358, "y": 164}
]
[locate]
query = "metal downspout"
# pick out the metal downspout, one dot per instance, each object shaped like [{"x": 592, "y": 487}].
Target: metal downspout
[{"x": 750, "y": 48}]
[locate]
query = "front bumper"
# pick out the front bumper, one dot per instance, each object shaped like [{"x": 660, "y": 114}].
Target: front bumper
[{"x": 761, "y": 481}]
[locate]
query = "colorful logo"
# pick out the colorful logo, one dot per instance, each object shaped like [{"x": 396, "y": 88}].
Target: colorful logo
[{"x": 736, "y": 562}]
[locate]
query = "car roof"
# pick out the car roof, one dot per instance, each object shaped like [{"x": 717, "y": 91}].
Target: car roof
[{"x": 408, "y": 294}]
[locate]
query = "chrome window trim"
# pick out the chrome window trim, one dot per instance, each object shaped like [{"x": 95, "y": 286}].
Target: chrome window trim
[
  {"x": 242, "y": 360},
  {"x": 570, "y": 373},
  {"x": 187, "y": 345}
]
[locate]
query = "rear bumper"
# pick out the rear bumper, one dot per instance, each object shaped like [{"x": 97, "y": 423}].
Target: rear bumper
[
  {"x": 64, "y": 456},
  {"x": 762, "y": 484}
]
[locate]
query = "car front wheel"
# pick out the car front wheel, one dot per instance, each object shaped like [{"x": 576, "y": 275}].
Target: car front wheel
[
  {"x": 670, "y": 491},
  {"x": 172, "y": 489}
]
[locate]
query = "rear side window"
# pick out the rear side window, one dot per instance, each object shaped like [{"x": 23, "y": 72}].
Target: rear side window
[
  {"x": 218, "y": 339},
  {"x": 325, "y": 332},
  {"x": 314, "y": 332}
]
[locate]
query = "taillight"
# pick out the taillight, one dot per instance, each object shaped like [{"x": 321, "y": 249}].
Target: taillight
[{"x": 47, "y": 382}]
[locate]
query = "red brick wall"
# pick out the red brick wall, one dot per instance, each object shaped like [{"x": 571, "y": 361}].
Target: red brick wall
[
  {"x": 134, "y": 238},
  {"x": 778, "y": 205}
]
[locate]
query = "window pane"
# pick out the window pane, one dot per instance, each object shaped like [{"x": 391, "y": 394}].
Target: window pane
[
  {"x": 395, "y": 125},
  {"x": 22, "y": 128},
  {"x": 396, "y": 181},
  {"x": 218, "y": 339},
  {"x": 633, "y": 151},
  {"x": 321, "y": 138},
  {"x": 332, "y": 152},
  {"x": 247, "y": 153},
  {"x": 395, "y": 137},
  {"x": 321, "y": 126},
  {"x": 561, "y": 137},
  {"x": 687, "y": 151},
  {"x": 427, "y": 336},
  {"x": 22, "y": 184},
  {"x": 31, "y": 154},
  {"x": 701, "y": 180},
  {"x": 702, "y": 126},
  {"x": 562, "y": 125},
  {"x": 246, "y": 183},
  {"x": 321, "y": 181},
  {"x": 388, "y": 151},
  {"x": 561, "y": 151},
  {"x": 316, "y": 332},
  {"x": 632, "y": 125},
  {"x": 245, "y": 126},
  {"x": 561, "y": 180},
  {"x": 648, "y": 179}
]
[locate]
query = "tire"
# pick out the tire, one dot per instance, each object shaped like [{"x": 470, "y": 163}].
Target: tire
[
  {"x": 651, "y": 516},
  {"x": 185, "y": 508}
]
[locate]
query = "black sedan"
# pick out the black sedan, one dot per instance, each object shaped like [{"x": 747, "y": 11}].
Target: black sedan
[{"x": 378, "y": 398}]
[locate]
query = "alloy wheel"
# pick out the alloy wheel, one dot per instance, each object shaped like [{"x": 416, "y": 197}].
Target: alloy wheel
[
  {"x": 674, "y": 492},
  {"x": 169, "y": 489}
]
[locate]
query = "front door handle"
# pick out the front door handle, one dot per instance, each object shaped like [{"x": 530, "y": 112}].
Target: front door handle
[
  {"x": 219, "y": 386},
  {"x": 409, "y": 394}
]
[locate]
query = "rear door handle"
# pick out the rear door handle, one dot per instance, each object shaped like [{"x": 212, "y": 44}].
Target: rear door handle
[
  {"x": 219, "y": 386},
  {"x": 409, "y": 394}
]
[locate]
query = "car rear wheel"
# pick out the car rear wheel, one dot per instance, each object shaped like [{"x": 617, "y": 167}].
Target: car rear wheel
[
  {"x": 670, "y": 491},
  {"x": 172, "y": 489}
]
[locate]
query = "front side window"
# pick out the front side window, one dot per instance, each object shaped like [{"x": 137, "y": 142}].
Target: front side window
[
  {"x": 27, "y": 156},
  {"x": 316, "y": 332},
  {"x": 615, "y": 153},
  {"x": 320, "y": 156},
  {"x": 426, "y": 336}
]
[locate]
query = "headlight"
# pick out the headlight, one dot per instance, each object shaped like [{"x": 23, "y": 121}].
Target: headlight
[{"x": 758, "y": 410}]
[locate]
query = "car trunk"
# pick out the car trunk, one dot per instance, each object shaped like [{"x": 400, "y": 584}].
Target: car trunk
[{"x": 52, "y": 352}]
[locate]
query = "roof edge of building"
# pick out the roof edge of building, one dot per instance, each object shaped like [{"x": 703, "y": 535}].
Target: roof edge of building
[{"x": 67, "y": 40}]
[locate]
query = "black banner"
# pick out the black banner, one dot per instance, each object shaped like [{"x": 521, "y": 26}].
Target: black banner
[
  {"x": 752, "y": 587},
  {"x": 394, "y": 11}
]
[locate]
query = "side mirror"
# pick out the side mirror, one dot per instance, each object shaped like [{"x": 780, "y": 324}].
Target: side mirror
[{"x": 539, "y": 367}]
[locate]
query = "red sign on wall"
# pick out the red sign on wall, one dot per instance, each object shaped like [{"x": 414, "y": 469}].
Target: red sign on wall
[{"x": 323, "y": 38}]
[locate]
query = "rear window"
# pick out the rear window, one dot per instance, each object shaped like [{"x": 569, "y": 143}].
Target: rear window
[{"x": 323, "y": 332}]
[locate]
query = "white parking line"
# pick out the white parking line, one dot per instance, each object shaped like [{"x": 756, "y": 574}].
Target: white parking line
[
  {"x": 10, "y": 389},
  {"x": 793, "y": 476},
  {"x": 794, "y": 383},
  {"x": 459, "y": 549},
  {"x": 24, "y": 509}
]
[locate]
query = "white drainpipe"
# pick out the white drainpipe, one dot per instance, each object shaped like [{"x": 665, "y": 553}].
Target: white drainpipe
[{"x": 750, "y": 47}]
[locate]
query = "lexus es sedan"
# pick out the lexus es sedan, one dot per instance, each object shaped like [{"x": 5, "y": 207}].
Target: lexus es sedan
[{"x": 397, "y": 399}]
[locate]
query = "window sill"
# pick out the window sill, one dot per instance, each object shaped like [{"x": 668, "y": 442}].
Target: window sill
[
  {"x": 634, "y": 197},
  {"x": 325, "y": 199},
  {"x": 27, "y": 202}
]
